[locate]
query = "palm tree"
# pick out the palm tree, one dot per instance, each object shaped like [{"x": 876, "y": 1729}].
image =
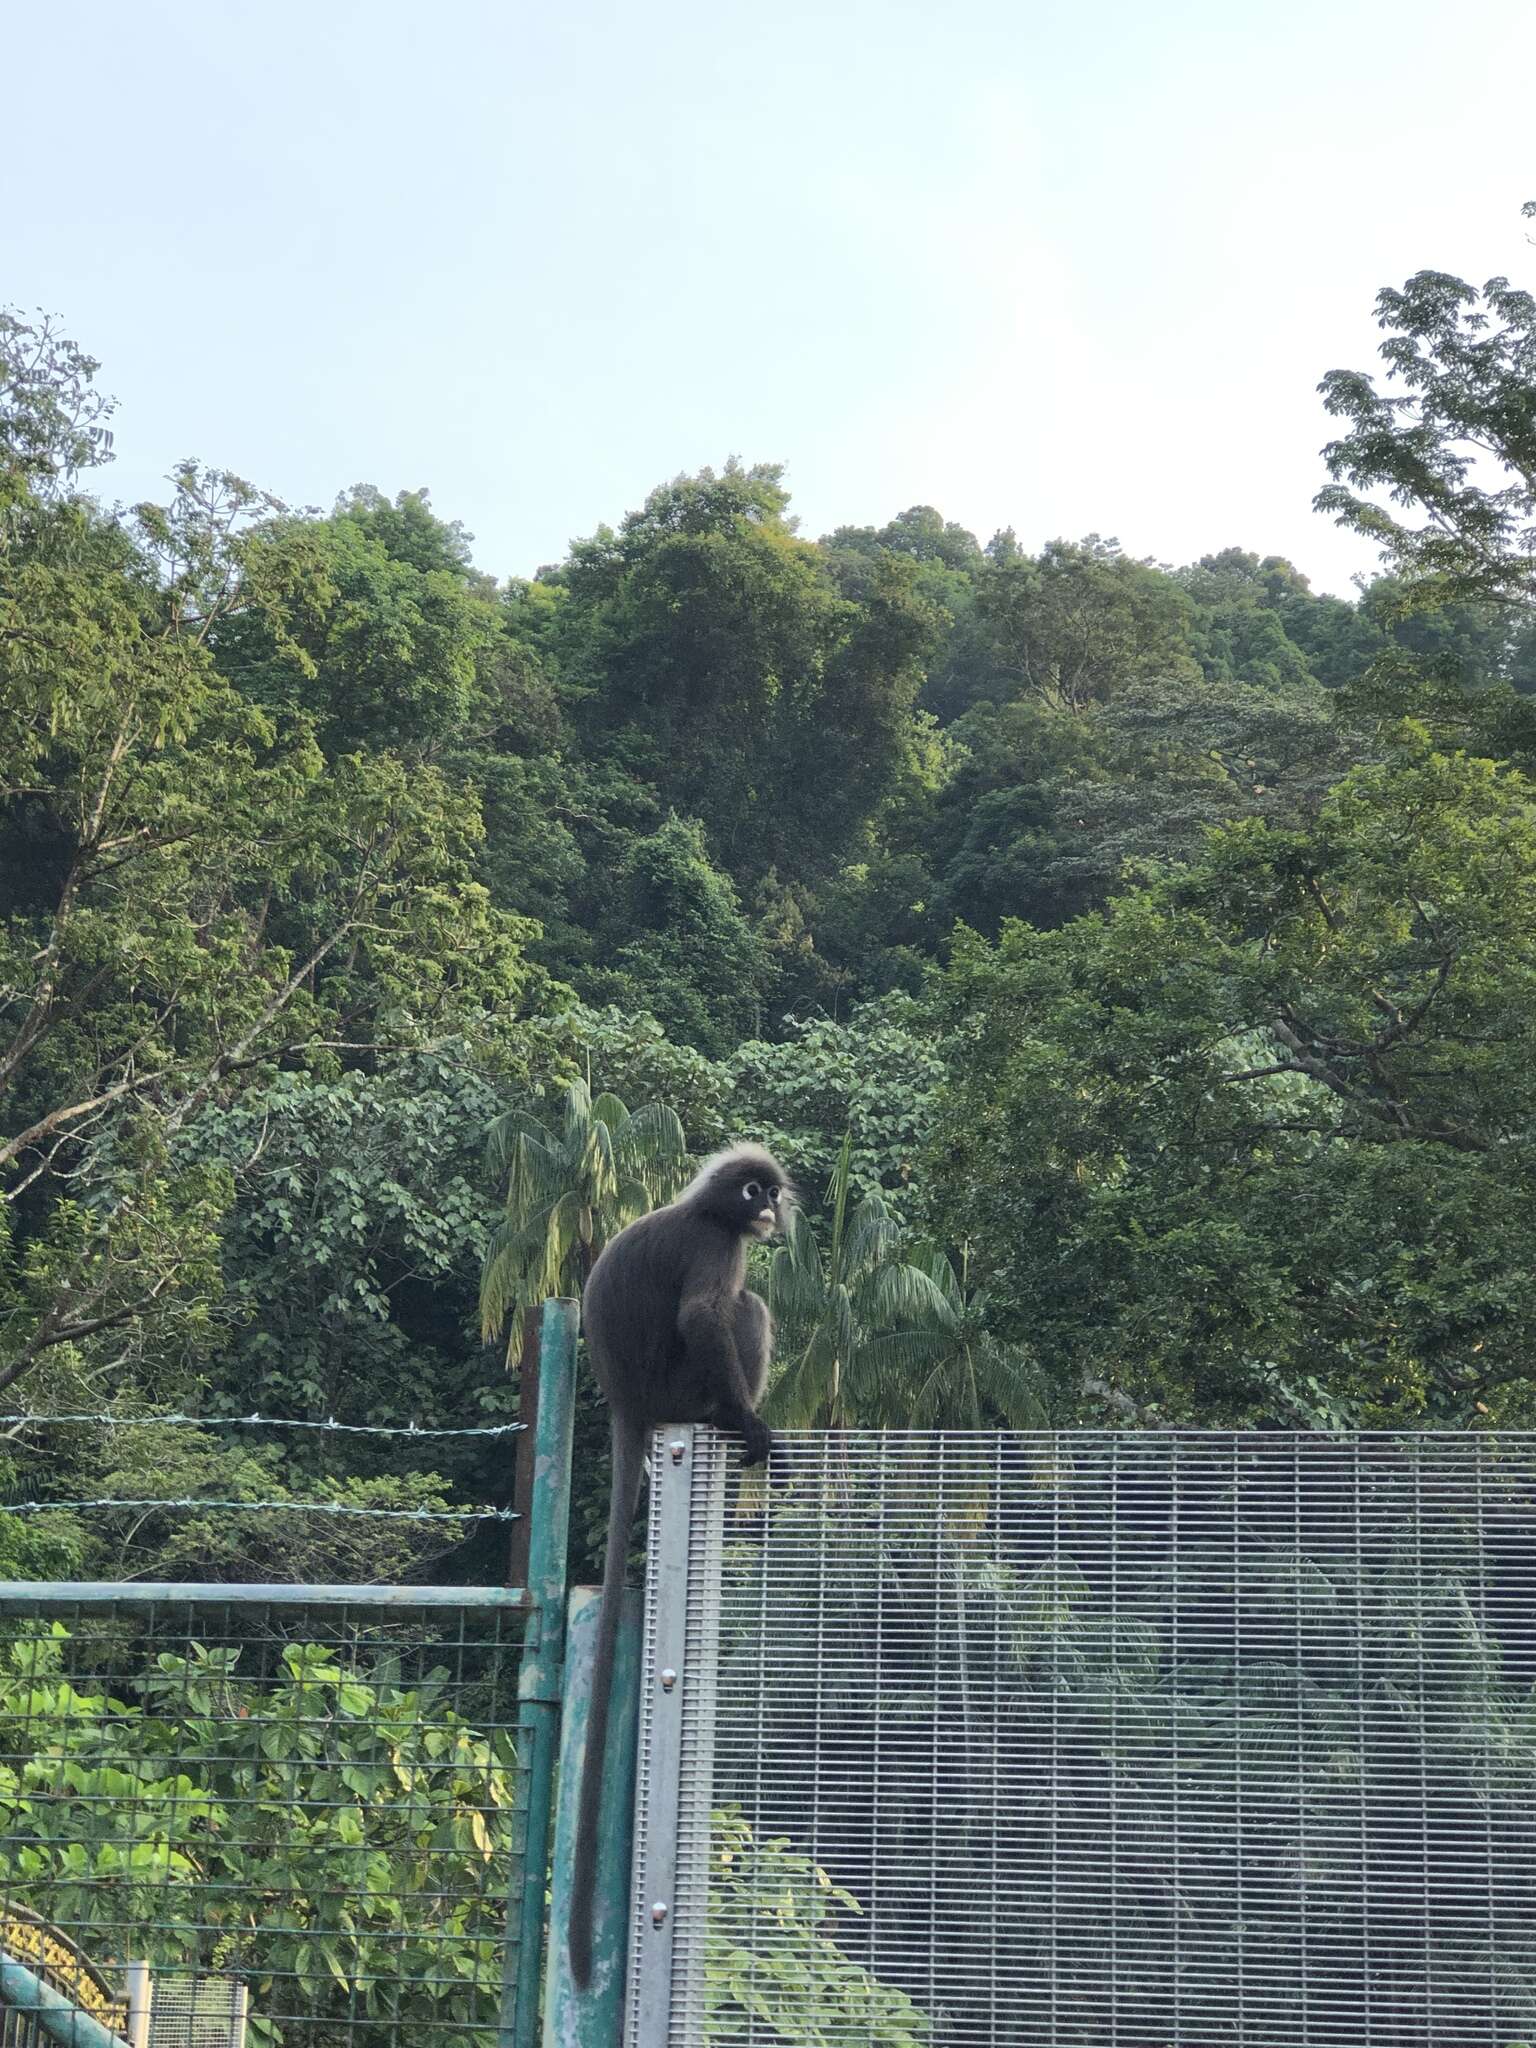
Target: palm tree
[
  {"x": 860, "y": 1324},
  {"x": 568, "y": 1191},
  {"x": 971, "y": 1380},
  {"x": 879, "y": 1337}
]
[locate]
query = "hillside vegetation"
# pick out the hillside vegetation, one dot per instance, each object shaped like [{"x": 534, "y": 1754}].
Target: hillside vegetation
[{"x": 1136, "y": 963}]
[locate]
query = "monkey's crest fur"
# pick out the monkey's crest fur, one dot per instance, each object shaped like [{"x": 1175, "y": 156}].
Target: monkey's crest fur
[
  {"x": 727, "y": 1165},
  {"x": 675, "y": 1335}
]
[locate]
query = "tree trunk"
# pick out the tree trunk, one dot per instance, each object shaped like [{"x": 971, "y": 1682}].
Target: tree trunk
[{"x": 522, "y": 1478}]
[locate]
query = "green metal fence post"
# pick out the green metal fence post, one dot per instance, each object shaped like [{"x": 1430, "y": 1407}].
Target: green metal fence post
[
  {"x": 594, "y": 2018},
  {"x": 543, "y": 1657}
]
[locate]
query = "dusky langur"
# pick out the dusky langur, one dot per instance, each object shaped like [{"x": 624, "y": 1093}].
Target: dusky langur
[{"x": 675, "y": 1336}]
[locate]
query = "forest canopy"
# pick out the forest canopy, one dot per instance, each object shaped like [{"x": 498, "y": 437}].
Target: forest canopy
[{"x": 1135, "y": 961}]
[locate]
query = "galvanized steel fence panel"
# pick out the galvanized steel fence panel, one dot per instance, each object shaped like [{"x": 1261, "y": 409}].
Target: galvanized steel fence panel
[
  {"x": 324, "y": 1800},
  {"x": 1138, "y": 1740}
]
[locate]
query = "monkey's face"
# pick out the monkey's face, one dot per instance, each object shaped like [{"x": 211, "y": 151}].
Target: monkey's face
[
  {"x": 745, "y": 1189},
  {"x": 763, "y": 1202}
]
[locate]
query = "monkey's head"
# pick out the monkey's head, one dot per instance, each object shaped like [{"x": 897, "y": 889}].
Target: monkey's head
[{"x": 744, "y": 1188}]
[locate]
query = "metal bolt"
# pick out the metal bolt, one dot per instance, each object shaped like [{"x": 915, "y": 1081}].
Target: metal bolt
[
  {"x": 677, "y": 1448},
  {"x": 659, "y": 1913},
  {"x": 668, "y": 1679}
]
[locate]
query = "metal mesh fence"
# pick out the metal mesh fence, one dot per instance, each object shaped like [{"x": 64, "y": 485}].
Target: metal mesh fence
[
  {"x": 320, "y": 1801},
  {"x": 1147, "y": 1740}
]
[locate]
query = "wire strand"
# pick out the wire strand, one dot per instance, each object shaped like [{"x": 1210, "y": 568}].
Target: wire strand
[
  {"x": 304, "y": 1507},
  {"x": 262, "y": 1422}
]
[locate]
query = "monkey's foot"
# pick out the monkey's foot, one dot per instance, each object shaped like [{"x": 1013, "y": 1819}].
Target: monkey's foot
[{"x": 756, "y": 1440}]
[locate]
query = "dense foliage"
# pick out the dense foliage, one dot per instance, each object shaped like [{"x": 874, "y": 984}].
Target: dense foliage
[
  {"x": 1135, "y": 965},
  {"x": 324, "y": 858},
  {"x": 337, "y": 1833}
]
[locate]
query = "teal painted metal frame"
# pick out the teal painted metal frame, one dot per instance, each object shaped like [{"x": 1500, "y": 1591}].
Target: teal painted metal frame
[
  {"x": 22, "y": 1990},
  {"x": 29, "y": 1593},
  {"x": 540, "y": 1682},
  {"x": 594, "y": 2018}
]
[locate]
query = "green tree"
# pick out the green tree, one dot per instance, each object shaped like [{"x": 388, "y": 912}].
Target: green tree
[
  {"x": 1050, "y": 810},
  {"x": 1237, "y": 632},
  {"x": 920, "y": 532},
  {"x": 191, "y": 899},
  {"x": 351, "y": 1254},
  {"x": 1077, "y": 622},
  {"x": 634, "y": 1053},
  {"x": 1005, "y": 832},
  {"x": 1454, "y": 443},
  {"x": 53, "y": 420},
  {"x": 970, "y": 1378},
  {"x": 1256, "y": 1142},
  {"x": 853, "y": 1098},
  {"x": 859, "y": 1323},
  {"x": 706, "y": 653},
  {"x": 370, "y": 622},
  {"x": 673, "y": 941},
  {"x": 570, "y": 1188}
]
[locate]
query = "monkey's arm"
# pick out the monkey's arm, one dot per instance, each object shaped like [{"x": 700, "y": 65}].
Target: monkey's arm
[{"x": 706, "y": 1324}]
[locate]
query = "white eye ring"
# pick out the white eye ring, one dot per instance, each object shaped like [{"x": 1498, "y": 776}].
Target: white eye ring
[{"x": 751, "y": 1191}]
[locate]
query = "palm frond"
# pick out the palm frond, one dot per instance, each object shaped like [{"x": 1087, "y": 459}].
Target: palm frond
[
  {"x": 946, "y": 1397},
  {"x": 795, "y": 1297},
  {"x": 508, "y": 1273},
  {"x": 890, "y": 1371},
  {"x": 653, "y": 1142},
  {"x": 607, "y": 1109},
  {"x": 839, "y": 1192},
  {"x": 535, "y": 1173},
  {"x": 567, "y": 1194},
  {"x": 798, "y": 1395},
  {"x": 902, "y": 1352},
  {"x": 498, "y": 1292},
  {"x": 510, "y": 1126},
  {"x": 895, "y": 1295},
  {"x": 800, "y": 1247},
  {"x": 1008, "y": 1384},
  {"x": 872, "y": 1235},
  {"x": 631, "y": 1200},
  {"x": 576, "y": 1113},
  {"x": 562, "y": 1234},
  {"x": 599, "y": 1163},
  {"x": 933, "y": 1260}
]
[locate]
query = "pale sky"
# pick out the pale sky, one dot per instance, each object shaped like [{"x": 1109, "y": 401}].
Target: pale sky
[{"x": 1064, "y": 268}]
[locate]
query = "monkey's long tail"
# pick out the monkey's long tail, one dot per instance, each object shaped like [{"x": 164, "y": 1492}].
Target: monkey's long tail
[{"x": 628, "y": 1463}]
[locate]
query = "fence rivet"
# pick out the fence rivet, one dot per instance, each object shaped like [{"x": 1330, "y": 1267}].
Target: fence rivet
[
  {"x": 668, "y": 1679},
  {"x": 677, "y": 1448},
  {"x": 659, "y": 1913}
]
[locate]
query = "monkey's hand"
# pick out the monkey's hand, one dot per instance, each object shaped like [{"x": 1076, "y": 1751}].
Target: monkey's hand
[{"x": 756, "y": 1439}]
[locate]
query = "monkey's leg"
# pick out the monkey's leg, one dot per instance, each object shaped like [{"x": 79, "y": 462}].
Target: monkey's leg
[{"x": 708, "y": 1330}]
